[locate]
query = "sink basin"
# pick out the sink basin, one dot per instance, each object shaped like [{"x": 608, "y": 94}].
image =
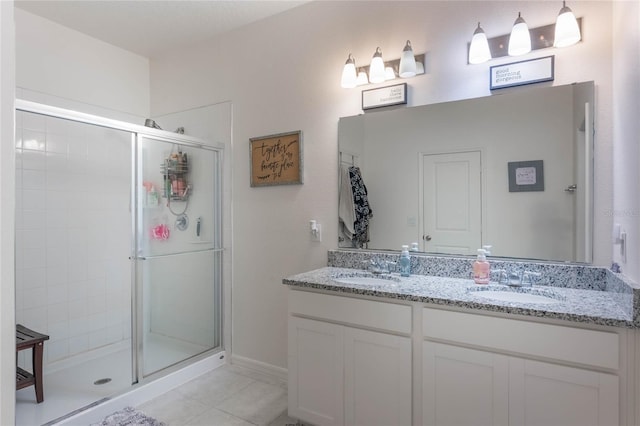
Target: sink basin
[
  {"x": 517, "y": 295},
  {"x": 366, "y": 280}
]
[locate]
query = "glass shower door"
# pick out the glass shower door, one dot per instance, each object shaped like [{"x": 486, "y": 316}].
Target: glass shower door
[{"x": 178, "y": 252}]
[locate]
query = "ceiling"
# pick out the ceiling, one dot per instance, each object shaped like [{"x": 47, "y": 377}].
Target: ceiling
[{"x": 150, "y": 27}]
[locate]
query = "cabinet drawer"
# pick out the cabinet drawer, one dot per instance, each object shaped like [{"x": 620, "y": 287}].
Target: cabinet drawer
[
  {"x": 575, "y": 345},
  {"x": 365, "y": 313}
]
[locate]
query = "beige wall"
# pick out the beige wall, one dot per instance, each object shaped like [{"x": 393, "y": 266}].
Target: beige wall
[{"x": 283, "y": 74}]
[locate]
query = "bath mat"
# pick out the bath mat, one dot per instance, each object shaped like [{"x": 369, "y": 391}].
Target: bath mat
[{"x": 129, "y": 416}]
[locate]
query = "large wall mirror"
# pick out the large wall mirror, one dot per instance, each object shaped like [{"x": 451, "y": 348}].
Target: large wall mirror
[{"x": 513, "y": 170}]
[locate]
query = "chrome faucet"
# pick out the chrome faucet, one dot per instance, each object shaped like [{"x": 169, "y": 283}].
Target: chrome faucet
[
  {"x": 520, "y": 278},
  {"x": 379, "y": 266}
]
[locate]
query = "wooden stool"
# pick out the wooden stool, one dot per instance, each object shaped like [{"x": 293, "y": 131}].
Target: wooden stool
[{"x": 29, "y": 339}]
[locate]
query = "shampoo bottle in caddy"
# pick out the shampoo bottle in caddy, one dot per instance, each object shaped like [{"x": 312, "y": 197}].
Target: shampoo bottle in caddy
[{"x": 481, "y": 268}]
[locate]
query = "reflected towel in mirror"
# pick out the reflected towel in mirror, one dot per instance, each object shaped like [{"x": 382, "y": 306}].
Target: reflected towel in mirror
[{"x": 346, "y": 209}]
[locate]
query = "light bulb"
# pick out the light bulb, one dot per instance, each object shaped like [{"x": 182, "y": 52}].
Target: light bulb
[
  {"x": 389, "y": 73},
  {"x": 376, "y": 69},
  {"x": 479, "y": 49},
  {"x": 349, "y": 73},
  {"x": 520, "y": 39},
  {"x": 362, "y": 78},
  {"x": 567, "y": 30},
  {"x": 407, "y": 62}
]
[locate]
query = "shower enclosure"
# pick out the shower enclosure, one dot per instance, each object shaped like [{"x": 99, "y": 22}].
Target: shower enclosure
[{"x": 118, "y": 253}]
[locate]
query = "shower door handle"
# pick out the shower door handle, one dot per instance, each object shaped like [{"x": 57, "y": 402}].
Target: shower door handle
[{"x": 179, "y": 253}]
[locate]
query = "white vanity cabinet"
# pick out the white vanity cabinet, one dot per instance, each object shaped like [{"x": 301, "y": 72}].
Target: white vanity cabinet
[
  {"x": 543, "y": 393},
  {"x": 463, "y": 386},
  {"x": 349, "y": 360},
  {"x": 377, "y": 381},
  {"x": 494, "y": 371},
  {"x": 316, "y": 360}
]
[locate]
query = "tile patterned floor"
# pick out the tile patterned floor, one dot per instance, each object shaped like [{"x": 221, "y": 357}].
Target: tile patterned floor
[{"x": 227, "y": 396}]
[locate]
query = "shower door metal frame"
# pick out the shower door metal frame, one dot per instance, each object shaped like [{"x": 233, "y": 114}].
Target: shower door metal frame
[
  {"x": 137, "y": 291},
  {"x": 165, "y": 136}
]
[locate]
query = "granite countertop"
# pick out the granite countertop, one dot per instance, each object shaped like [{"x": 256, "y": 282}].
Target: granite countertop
[{"x": 569, "y": 304}]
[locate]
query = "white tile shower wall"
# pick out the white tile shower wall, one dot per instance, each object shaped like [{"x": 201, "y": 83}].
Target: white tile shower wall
[{"x": 73, "y": 234}]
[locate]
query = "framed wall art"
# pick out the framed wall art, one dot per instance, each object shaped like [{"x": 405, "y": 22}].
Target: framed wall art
[
  {"x": 526, "y": 176},
  {"x": 276, "y": 159}
]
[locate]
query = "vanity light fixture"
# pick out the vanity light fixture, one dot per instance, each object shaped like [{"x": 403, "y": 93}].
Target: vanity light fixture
[
  {"x": 407, "y": 62},
  {"x": 376, "y": 69},
  {"x": 567, "y": 31},
  {"x": 349, "y": 77},
  {"x": 520, "y": 38},
  {"x": 409, "y": 65},
  {"x": 479, "y": 49}
]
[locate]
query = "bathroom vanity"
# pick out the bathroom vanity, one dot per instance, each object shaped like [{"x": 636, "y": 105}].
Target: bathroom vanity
[{"x": 436, "y": 349}]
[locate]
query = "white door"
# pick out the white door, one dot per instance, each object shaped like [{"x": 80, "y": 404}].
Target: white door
[
  {"x": 547, "y": 394},
  {"x": 452, "y": 203},
  {"x": 377, "y": 378},
  {"x": 315, "y": 354},
  {"x": 463, "y": 386}
]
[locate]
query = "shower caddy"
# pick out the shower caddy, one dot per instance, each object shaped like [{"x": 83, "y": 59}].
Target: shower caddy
[{"x": 175, "y": 171}]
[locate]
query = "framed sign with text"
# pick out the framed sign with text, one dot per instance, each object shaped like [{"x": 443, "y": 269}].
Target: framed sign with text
[
  {"x": 526, "y": 176},
  {"x": 384, "y": 96},
  {"x": 276, "y": 159},
  {"x": 521, "y": 73}
]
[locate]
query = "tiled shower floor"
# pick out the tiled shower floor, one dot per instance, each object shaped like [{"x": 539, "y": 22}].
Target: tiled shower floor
[
  {"x": 72, "y": 389},
  {"x": 66, "y": 391}
]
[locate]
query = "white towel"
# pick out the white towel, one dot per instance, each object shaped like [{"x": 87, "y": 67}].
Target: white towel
[{"x": 346, "y": 209}]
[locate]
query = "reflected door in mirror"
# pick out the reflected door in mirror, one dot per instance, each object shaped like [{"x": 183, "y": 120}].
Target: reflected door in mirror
[{"x": 452, "y": 207}]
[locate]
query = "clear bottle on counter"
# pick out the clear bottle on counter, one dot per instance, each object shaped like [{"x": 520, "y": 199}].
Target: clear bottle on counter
[{"x": 405, "y": 262}]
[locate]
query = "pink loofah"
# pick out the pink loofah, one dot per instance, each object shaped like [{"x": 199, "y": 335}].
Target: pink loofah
[{"x": 160, "y": 232}]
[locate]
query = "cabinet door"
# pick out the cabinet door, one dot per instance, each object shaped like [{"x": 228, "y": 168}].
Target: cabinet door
[
  {"x": 315, "y": 354},
  {"x": 377, "y": 378},
  {"x": 549, "y": 394},
  {"x": 464, "y": 386}
]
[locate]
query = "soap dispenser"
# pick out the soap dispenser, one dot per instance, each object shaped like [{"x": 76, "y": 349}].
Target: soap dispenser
[
  {"x": 481, "y": 268},
  {"x": 405, "y": 262}
]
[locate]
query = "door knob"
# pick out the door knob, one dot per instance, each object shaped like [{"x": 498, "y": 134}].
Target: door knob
[{"x": 426, "y": 237}]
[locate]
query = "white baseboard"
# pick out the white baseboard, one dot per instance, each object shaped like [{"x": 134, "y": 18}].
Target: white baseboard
[
  {"x": 147, "y": 391},
  {"x": 262, "y": 367}
]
